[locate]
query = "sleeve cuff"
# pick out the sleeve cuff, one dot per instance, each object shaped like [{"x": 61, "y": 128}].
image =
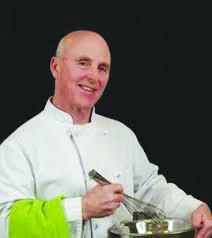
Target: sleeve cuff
[{"x": 73, "y": 209}]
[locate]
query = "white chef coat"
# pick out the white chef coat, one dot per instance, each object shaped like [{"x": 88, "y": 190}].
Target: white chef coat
[{"x": 50, "y": 156}]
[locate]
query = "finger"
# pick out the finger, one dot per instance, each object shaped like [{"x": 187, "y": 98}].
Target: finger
[
  {"x": 109, "y": 212},
  {"x": 197, "y": 221},
  {"x": 201, "y": 215},
  {"x": 115, "y": 188},
  {"x": 113, "y": 205},
  {"x": 117, "y": 205},
  {"x": 118, "y": 188},
  {"x": 118, "y": 198},
  {"x": 208, "y": 234},
  {"x": 207, "y": 226},
  {"x": 202, "y": 232},
  {"x": 112, "y": 209}
]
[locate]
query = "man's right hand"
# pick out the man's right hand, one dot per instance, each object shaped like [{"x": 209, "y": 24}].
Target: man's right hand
[{"x": 102, "y": 201}]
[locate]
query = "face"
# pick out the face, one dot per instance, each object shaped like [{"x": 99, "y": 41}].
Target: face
[{"x": 82, "y": 71}]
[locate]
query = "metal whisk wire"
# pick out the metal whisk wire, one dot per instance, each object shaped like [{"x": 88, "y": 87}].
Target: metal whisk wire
[{"x": 142, "y": 209}]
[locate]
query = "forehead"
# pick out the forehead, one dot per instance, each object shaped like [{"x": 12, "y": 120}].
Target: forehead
[{"x": 92, "y": 47}]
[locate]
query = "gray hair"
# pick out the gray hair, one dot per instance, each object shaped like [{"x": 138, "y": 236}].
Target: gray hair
[{"x": 60, "y": 47}]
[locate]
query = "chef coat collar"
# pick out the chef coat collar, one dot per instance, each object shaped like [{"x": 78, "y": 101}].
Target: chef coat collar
[{"x": 60, "y": 115}]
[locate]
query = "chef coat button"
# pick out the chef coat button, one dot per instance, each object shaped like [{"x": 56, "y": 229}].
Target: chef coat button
[
  {"x": 96, "y": 226},
  {"x": 117, "y": 175},
  {"x": 105, "y": 132}
]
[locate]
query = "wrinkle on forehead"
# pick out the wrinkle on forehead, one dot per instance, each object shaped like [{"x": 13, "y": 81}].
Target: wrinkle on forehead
[{"x": 70, "y": 39}]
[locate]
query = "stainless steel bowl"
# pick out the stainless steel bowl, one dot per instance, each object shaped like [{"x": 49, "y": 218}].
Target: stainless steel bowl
[{"x": 173, "y": 228}]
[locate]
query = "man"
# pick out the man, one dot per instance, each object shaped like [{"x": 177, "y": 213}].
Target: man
[{"x": 51, "y": 155}]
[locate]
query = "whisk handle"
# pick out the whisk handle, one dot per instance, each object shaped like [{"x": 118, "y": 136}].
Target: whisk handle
[{"x": 93, "y": 174}]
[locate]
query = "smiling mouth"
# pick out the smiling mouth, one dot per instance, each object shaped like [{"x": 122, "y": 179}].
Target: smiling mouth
[{"x": 87, "y": 88}]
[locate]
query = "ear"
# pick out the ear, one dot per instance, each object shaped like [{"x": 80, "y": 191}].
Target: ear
[{"x": 54, "y": 67}]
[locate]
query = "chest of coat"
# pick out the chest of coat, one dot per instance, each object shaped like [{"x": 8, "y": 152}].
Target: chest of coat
[{"x": 63, "y": 164}]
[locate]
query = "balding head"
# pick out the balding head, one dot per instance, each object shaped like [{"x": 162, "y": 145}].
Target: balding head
[{"x": 70, "y": 39}]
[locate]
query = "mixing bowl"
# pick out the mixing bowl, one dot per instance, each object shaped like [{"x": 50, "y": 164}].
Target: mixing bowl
[{"x": 167, "y": 228}]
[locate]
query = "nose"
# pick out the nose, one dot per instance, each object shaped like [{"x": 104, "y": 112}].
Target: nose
[{"x": 93, "y": 74}]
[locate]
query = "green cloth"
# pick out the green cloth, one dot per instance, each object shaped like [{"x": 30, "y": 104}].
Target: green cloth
[{"x": 38, "y": 219}]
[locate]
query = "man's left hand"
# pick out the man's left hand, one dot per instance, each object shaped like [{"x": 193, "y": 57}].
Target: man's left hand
[{"x": 202, "y": 220}]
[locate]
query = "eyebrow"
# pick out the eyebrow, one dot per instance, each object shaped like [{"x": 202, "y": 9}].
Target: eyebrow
[{"x": 85, "y": 58}]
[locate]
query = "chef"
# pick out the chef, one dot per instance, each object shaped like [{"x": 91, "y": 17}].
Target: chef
[{"x": 45, "y": 190}]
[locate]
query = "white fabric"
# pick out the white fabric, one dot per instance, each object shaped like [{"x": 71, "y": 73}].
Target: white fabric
[{"x": 40, "y": 160}]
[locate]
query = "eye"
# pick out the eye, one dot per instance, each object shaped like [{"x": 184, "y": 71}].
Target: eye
[
  {"x": 83, "y": 63},
  {"x": 103, "y": 68}
]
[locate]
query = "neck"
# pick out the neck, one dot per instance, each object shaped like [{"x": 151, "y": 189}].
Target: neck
[{"x": 79, "y": 115}]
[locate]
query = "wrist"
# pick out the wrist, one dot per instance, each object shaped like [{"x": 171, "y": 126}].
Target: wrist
[{"x": 85, "y": 215}]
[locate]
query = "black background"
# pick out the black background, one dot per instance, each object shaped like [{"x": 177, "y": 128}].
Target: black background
[{"x": 160, "y": 83}]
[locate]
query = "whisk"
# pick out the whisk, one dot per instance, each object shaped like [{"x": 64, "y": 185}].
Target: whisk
[{"x": 139, "y": 209}]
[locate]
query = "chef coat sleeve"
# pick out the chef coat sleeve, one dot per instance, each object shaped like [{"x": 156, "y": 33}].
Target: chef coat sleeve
[
  {"x": 154, "y": 188},
  {"x": 17, "y": 183}
]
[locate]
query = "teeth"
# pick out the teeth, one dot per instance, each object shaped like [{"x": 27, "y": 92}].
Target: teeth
[{"x": 87, "y": 88}]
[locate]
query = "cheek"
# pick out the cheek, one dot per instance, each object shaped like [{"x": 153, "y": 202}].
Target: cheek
[
  {"x": 103, "y": 81},
  {"x": 71, "y": 79},
  {"x": 78, "y": 74},
  {"x": 73, "y": 74}
]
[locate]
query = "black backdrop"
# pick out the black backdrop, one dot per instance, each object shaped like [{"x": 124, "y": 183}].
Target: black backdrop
[{"x": 160, "y": 83}]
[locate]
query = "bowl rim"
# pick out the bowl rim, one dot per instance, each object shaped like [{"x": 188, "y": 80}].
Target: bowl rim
[{"x": 155, "y": 234}]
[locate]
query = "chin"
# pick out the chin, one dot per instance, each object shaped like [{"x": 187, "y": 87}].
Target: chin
[{"x": 88, "y": 104}]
